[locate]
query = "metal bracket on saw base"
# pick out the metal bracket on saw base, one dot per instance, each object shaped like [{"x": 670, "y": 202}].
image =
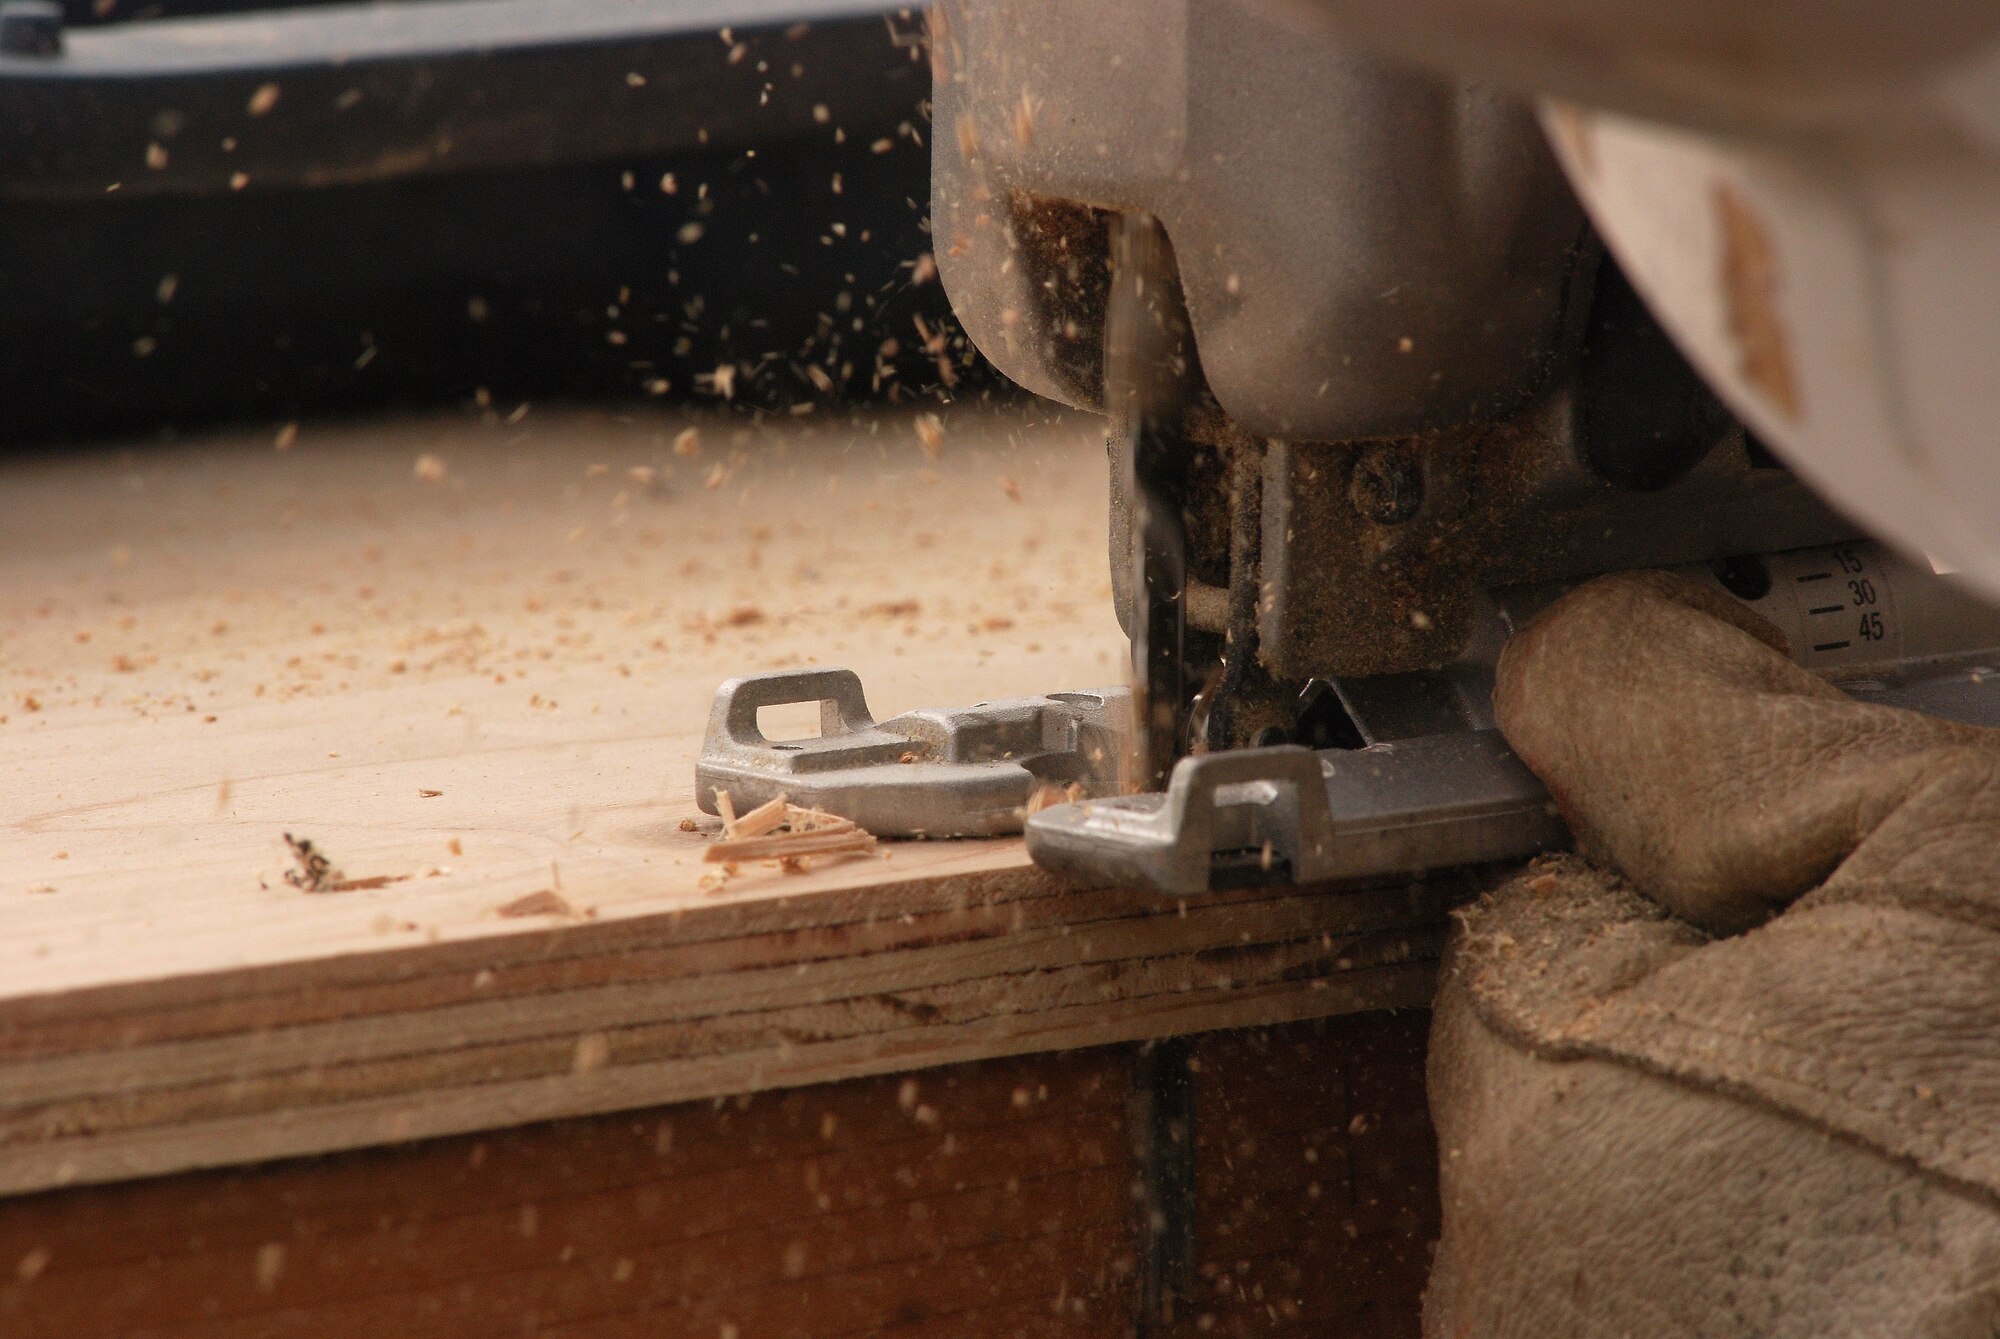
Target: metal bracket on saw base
[
  {"x": 938, "y": 772},
  {"x": 1289, "y": 814}
]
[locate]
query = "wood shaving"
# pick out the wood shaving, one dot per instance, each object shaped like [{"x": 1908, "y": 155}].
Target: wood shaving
[
  {"x": 1024, "y": 119},
  {"x": 785, "y": 834},
  {"x": 766, "y": 817},
  {"x": 892, "y": 609},
  {"x": 30, "y": 1266},
  {"x": 818, "y": 820},
  {"x": 930, "y": 435},
  {"x": 1048, "y": 795},
  {"x": 545, "y": 902},
  {"x": 787, "y": 846},
  {"x": 362, "y": 885}
]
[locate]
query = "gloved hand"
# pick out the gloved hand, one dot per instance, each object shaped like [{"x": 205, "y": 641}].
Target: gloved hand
[{"x": 1734, "y": 1069}]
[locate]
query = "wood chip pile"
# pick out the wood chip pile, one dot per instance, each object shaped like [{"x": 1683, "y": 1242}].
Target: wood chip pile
[{"x": 784, "y": 833}]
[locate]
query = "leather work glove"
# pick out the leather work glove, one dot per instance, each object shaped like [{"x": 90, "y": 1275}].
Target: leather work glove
[{"x": 1733, "y": 1069}]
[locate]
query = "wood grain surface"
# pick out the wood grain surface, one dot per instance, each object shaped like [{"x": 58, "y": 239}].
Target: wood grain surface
[{"x": 472, "y": 655}]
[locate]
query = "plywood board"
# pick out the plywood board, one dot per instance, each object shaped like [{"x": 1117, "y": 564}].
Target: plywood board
[{"x": 473, "y": 655}]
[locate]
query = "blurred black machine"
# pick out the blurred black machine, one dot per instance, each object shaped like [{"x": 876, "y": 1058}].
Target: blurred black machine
[{"x": 210, "y": 208}]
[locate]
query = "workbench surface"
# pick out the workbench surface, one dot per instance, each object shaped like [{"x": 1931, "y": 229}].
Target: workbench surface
[{"x": 473, "y": 655}]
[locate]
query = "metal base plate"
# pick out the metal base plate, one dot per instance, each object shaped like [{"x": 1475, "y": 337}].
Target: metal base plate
[{"x": 1291, "y": 815}]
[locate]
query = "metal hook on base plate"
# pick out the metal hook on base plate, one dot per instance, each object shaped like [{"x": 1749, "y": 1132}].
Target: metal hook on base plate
[{"x": 939, "y": 772}]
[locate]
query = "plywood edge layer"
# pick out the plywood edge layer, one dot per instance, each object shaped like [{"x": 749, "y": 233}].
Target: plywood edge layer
[
  {"x": 964, "y": 979},
  {"x": 544, "y": 945},
  {"x": 302, "y": 1131}
]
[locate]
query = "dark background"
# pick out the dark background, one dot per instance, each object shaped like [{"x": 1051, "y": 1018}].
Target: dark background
[{"x": 576, "y": 281}]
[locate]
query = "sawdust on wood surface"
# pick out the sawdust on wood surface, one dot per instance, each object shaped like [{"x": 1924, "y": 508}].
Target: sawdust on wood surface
[{"x": 343, "y": 636}]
